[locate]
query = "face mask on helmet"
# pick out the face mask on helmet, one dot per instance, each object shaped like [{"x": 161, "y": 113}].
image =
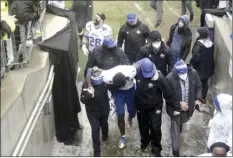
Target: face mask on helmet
[
  {"x": 96, "y": 76},
  {"x": 156, "y": 44},
  {"x": 96, "y": 80},
  {"x": 97, "y": 21},
  {"x": 183, "y": 76}
]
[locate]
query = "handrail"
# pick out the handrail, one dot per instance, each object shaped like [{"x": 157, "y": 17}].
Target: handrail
[
  {"x": 31, "y": 118},
  {"x": 229, "y": 16},
  {"x": 36, "y": 118}
]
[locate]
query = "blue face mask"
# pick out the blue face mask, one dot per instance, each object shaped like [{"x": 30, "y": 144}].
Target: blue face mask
[{"x": 97, "y": 80}]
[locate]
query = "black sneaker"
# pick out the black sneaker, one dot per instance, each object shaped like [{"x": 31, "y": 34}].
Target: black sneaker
[
  {"x": 155, "y": 154},
  {"x": 130, "y": 121},
  {"x": 104, "y": 138},
  {"x": 175, "y": 153},
  {"x": 96, "y": 154},
  {"x": 191, "y": 18},
  {"x": 158, "y": 24},
  {"x": 143, "y": 147}
]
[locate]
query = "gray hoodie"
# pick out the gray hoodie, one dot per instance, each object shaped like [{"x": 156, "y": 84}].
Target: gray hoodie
[{"x": 177, "y": 38}]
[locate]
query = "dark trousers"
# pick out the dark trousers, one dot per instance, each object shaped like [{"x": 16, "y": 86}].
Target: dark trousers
[
  {"x": 186, "y": 4},
  {"x": 150, "y": 129},
  {"x": 98, "y": 120},
  {"x": 204, "y": 88}
]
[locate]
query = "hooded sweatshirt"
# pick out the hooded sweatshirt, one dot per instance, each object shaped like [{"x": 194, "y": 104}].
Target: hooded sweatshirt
[
  {"x": 177, "y": 38},
  {"x": 221, "y": 124},
  {"x": 203, "y": 58}
]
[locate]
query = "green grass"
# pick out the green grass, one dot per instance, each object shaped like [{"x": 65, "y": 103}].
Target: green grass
[{"x": 116, "y": 12}]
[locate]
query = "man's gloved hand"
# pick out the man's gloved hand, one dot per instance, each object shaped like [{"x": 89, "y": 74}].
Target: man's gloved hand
[
  {"x": 85, "y": 50},
  {"x": 91, "y": 91}
]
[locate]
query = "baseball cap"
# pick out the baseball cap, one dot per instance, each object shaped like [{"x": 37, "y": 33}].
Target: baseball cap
[
  {"x": 203, "y": 32},
  {"x": 181, "y": 67},
  {"x": 109, "y": 42},
  {"x": 148, "y": 68},
  {"x": 221, "y": 145},
  {"x": 155, "y": 36},
  {"x": 131, "y": 17}
]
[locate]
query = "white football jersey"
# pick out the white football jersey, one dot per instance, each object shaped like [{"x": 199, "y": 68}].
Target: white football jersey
[
  {"x": 128, "y": 70},
  {"x": 96, "y": 35}
]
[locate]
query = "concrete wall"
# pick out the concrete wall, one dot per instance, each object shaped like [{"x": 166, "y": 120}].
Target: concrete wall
[
  {"x": 222, "y": 80},
  {"x": 20, "y": 90}
]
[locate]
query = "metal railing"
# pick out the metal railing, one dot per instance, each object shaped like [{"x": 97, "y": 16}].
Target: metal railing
[{"x": 16, "y": 51}]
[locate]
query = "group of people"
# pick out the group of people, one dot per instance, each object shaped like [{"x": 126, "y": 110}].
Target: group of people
[
  {"x": 142, "y": 71},
  {"x": 20, "y": 28},
  {"x": 157, "y": 5}
]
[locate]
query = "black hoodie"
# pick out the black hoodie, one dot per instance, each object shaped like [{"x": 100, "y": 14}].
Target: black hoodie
[{"x": 134, "y": 36}]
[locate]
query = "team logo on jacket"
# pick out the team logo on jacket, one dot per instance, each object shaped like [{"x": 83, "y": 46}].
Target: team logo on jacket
[
  {"x": 104, "y": 28},
  {"x": 138, "y": 31},
  {"x": 150, "y": 85},
  {"x": 162, "y": 56}
]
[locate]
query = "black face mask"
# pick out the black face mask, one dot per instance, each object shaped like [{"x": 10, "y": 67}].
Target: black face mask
[
  {"x": 180, "y": 30},
  {"x": 108, "y": 50},
  {"x": 96, "y": 22}
]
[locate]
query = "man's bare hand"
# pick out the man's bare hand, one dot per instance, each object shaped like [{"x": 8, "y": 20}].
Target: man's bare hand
[
  {"x": 184, "y": 106},
  {"x": 91, "y": 91}
]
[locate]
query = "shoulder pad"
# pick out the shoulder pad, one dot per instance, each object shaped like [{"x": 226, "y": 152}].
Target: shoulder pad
[
  {"x": 88, "y": 26},
  {"x": 107, "y": 29}
]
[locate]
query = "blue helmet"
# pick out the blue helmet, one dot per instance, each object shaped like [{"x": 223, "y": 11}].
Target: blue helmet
[{"x": 96, "y": 77}]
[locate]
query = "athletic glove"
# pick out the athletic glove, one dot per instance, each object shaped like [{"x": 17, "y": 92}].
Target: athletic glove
[{"x": 85, "y": 50}]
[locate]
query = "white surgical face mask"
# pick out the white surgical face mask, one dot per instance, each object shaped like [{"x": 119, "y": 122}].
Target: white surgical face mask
[
  {"x": 183, "y": 76},
  {"x": 181, "y": 24},
  {"x": 156, "y": 44}
]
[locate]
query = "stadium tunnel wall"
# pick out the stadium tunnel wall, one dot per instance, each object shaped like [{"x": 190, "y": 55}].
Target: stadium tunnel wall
[
  {"x": 222, "y": 79},
  {"x": 20, "y": 90}
]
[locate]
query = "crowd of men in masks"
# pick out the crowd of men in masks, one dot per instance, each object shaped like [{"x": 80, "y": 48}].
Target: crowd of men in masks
[{"x": 142, "y": 72}]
